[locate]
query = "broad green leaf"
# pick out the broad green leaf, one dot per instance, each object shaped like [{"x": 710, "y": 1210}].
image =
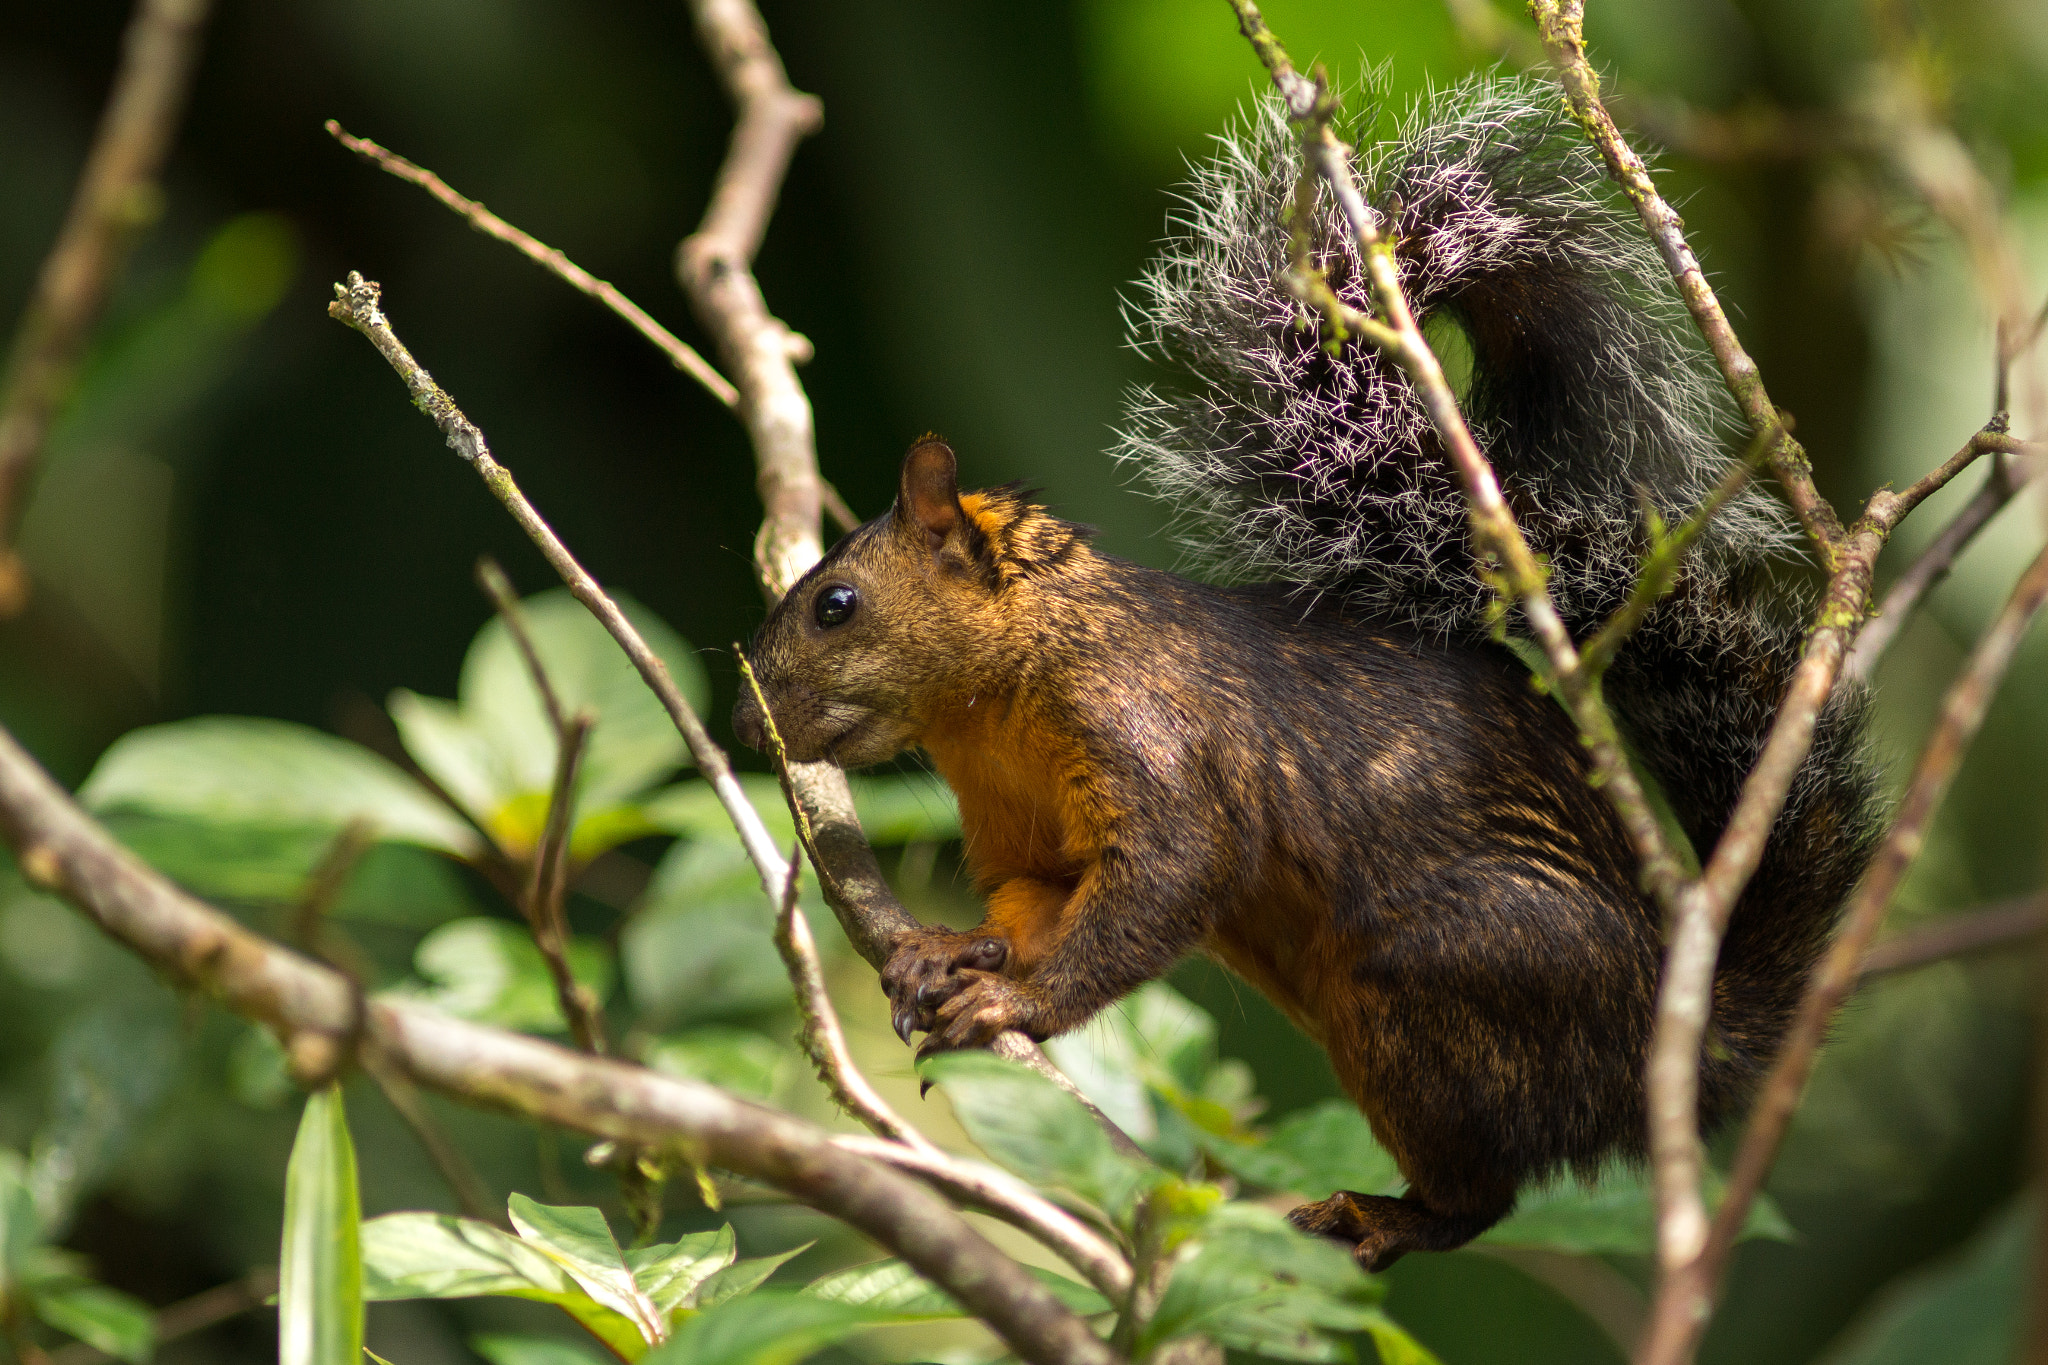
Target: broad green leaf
[
  {"x": 1039, "y": 1131},
  {"x": 20, "y": 1229},
  {"x": 320, "y": 1270},
  {"x": 439, "y": 1256},
  {"x": 773, "y": 1327},
  {"x": 669, "y": 1274},
  {"x": 744, "y": 1276},
  {"x": 699, "y": 945},
  {"x": 1968, "y": 1309},
  {"x": 632, "y": 745},
  {"x": 250, "y": 771},
  {"x": 735, "y": 1059},
  {"x": 1394, "y": 1344},
  {"x": 452, "y": 751},
  {"x": 109, "y": 1067},
  {"x": 1616, "y": 1215},
  {"x": 894, "y": 1290},
  {"x": 691, "y": 810},
  {"x": 1314, "y": 1153},
  {"x": 1155, "y": 1040},
  {"x": 580, "y": 1242},
  {"x": 401, "y": 884},
  {"x": 1251, "y": 1282},
  {"x": 101, "y": 1318},
  {"x": 512, "y": 1350},
  {"x": 490, "y": 971}
]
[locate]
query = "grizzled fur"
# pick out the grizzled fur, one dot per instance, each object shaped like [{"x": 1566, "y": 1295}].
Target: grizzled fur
[{"x": 1336, "y": 782}]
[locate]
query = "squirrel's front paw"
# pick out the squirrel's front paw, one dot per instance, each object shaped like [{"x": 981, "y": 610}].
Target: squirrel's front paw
[
  {"x": 930, "y": 968},
  {"x": 983, "y": 1006}
]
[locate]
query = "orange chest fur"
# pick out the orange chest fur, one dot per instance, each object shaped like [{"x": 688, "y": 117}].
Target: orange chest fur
[
  {"x": 1032, "y": 820},
  {"x": 1027, "y": 804}
]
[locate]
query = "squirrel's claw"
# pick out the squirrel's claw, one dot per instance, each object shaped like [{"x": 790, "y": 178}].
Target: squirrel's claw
[{"x": 904, "y": 1020}]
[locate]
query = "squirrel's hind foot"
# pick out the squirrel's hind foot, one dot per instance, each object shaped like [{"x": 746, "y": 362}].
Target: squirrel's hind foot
[{"x": 1382, "y": 1229}]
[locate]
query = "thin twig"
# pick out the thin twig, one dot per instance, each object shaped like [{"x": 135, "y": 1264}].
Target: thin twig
[
  {"x": 549, "y": 883},
  {"x": 208, "y": 1308},
  {"x": 327, "y": 881},
  {"x": 2007, "y": 477},
  {"x": 1561, "y": 24},
  {"x": 680, "y": 354},
  {"x": 358, "y": 304},
  {"x": 1976, "y": 931},
  {"x": 61, "y": 850},
  {"x": 1962, "y": 712},
  {"x": 498, "y": 588},
  {"x": 835, "y": 507},
  {"x": 117, "y": 196},
  {"x": 1666, "y": 554},
  {"x": 824, "y": 1042},
  {"x": 461, "y": 1178}
]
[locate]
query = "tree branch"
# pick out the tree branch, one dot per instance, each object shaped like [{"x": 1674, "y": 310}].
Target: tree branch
[
  {"x": 680, "y": 354},
  {"x": 60, "y": 849},
  {"x": 549, "y": 884},
  {"x": 1977, "y": 931},
  {"x": 117, "y": 196}
]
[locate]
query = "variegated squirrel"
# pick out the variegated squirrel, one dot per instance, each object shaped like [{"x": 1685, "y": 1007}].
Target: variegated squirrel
[{"x": 1337, "y": 780}]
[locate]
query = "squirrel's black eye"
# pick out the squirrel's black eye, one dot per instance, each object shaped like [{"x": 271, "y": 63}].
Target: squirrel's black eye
[{"x": 835, "y": 605}]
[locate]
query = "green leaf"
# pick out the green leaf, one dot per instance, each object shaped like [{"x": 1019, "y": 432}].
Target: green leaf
[
  {"x": 1315, "y": 1152},
  {"x": 700, "y": 945},
  {"x": 1038, "y": 1130},
  {"x": 580, "y": 1242},
  {"x": 490, "y": 971},
  {"x": 439, "y": 1256},
  {"x": 1616, "y": 1215},
  {"x": 101, "y": 1318},
  {"x": 1252, "y": 1282},
  {"x": 1968, "y": 1309},
  {"x": 452, "y": 751},
  {"x": 633, "y": 743},
  {"x": 691, "y": 810},
  {"x": 744, "y": 1276},
  {"x": 242, "y": 770},
  {"x": 1154, "y": 1040},
  {"x": 773, "y": 1327},
  {"x": 20, "y": 1228},
  {"x": 735, "y": 1059},
  {"x": 670, "y": 1273},
  {"x": 500, "y": 1349},
  {"x": 894, "y": 1290},
  {"x": 1394, "y": 1344},
  {"x": 320, "y": 1271}
]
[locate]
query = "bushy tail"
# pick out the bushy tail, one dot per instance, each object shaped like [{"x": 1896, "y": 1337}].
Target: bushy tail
[{"x": 1588, "y": 393}]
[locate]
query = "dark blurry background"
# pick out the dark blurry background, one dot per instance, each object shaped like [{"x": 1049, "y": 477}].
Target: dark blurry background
[{"x": 241, "y": 514}]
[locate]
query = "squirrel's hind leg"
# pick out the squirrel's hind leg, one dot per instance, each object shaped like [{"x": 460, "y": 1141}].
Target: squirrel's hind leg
[{"x": 1381, "y": 1229}]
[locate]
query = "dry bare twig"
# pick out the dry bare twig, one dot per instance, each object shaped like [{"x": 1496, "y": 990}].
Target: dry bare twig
[
  {"x": 1962, "y": 712},
  {"x": 117, "y": 196},
  {"x": 358, "y": 305},
  {"x": 1999, "y": 926},
  {"x": 59, "y": 849},
  {"x": 680, "y": 353}
]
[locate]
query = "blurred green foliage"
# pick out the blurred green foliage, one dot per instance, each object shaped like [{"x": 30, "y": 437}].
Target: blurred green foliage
[{"x": 240, "y": 518}]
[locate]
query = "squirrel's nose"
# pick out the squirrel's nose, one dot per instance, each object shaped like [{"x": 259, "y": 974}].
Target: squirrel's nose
[{"x": 746, "y": 723}]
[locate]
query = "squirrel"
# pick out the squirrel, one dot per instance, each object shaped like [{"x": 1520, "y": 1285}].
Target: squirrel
[{"x": 1335, "y": 776}]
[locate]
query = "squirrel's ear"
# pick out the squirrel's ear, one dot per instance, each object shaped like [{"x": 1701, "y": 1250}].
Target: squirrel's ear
[{"x": 928, "y": 500}]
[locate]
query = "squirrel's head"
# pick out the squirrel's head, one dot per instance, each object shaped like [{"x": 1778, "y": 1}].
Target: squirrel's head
[{"x": 917, "y": 611}]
